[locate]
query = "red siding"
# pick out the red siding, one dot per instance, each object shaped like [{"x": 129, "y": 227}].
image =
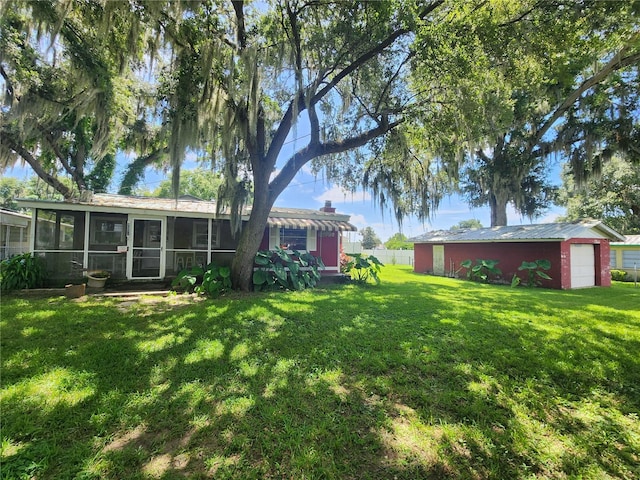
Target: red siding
[{"x": 511, "y": 255}]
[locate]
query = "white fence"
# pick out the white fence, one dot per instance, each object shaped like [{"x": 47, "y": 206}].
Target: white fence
[{"x": 388, "y": 257}]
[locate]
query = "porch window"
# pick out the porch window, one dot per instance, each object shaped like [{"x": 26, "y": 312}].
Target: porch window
[
  {"x": 59, "y": 230},
  {"x": 107, "y": 231}
]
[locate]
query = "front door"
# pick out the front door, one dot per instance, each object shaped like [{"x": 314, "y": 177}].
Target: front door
[{"x": 146, "y": 244}]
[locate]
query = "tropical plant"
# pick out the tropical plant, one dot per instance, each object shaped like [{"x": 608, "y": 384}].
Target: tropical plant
[
  {"x": 187, "y": 279},
  {"x": 212, "y": 281},
  {"x": 482, "y": 270},
  {"x": 21, "y": 271},
  {"x": 215, "y": 281},
  {"x": 362, "y": 267},
  {"x": 280, "y": 269},
  {"x": 535, "y": 273}
]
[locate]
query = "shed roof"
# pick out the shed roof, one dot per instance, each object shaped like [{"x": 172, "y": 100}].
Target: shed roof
[
  {"x": 191, "y": 206},
  {"x": 540, "y": 232},
  {"x": 628, "y": 240}
]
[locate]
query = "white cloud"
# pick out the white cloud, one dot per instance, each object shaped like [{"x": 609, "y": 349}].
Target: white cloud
[{"x": 337, "y": 194}]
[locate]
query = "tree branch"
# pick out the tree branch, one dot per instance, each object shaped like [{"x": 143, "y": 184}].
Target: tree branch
[
  {"x": 8, "y": 141},
  {"x": 616, "y": 63},
  {"x": 311, "y": 151}
]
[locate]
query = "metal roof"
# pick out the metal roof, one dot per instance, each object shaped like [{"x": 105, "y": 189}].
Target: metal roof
[
  {"x": 523, "y": 233},
  {"x": 629, "y": 240},
  {"x": 279, "y": 216}
]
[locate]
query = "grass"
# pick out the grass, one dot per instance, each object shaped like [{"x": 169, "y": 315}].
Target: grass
[{"x": 420, "y": 377}]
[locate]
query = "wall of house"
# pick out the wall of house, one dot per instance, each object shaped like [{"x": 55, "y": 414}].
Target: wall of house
[
  {"x": 510, "y": 256},
  {"x": 623, "y": 257}
]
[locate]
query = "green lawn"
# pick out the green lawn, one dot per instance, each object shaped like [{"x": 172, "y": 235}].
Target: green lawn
[{"x": 420, "y": 377}]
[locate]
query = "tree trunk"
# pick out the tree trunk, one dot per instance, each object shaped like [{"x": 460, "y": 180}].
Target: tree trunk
[{"x": 498, "y": 204}]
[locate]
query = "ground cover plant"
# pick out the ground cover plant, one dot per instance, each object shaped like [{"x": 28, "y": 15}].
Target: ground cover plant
[{"x": 418, "y": 377}]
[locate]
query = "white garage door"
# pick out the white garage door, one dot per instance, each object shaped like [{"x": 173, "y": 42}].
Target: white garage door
[{"x": 583, "y": 266}]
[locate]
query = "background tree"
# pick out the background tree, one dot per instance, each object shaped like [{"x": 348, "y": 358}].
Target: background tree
[
  {"x": 200, "y": 183},
  {"x": 529, "y": 89},
  {"x": 369, "y": 238},
  {"x": 398, "y": 241},
  {"x": 33, "y": 187},
  {"x": 464, "y": 224},
  {"x": 65, "y": 71},
  {"x": 613, "y": 196}
]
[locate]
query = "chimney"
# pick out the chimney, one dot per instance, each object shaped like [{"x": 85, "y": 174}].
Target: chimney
[{"x": 327, "y": 207}]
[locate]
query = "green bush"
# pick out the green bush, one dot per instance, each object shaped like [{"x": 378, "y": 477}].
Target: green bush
[
  {"x": 620, "y": 276},
  {"x": 280, "y": 269},
  {"x": 21, "y": 271},
  {"x": 361, "y": 268},
  {"x": 535, "y": 273},
  {"x": 482, "y": 271},
  {"x": 213, "y": 281}
]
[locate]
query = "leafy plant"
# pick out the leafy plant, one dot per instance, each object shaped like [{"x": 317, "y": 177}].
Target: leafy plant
[
  {"x": 187, "y": 279},
  {"x": 212, "y": 281},
  {"x": 21, "y": 271},
  {"x": 215, "y": 281},
  {"x": 535, "y": 273},
  {"x": 481, "y": 271},
  {"x": 363, "y": 267},
  {"x": 280, "y": 269}
]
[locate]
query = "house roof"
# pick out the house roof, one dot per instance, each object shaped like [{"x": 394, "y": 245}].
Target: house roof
[
  {"x": 8, "y": 217},
  {"x": 523, "y": 233},
  {"x": 192, "y": 207},
  {"x": 628, "y": 240}
]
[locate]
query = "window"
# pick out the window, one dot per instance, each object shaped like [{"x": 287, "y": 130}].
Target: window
[
  {"x": 293, "y": 238},
  {"x": 200, "y": 234},
  {"x": 630, "y": 258},
  {"x": 108, "y": 231},
  {"x": 59, "y": 230}
]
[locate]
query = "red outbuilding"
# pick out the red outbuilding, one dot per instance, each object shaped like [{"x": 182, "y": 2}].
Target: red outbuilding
[{"x": 578, "y": 251}]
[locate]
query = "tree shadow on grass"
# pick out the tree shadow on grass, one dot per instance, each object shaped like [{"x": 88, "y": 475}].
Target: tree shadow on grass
[{"x": 403, "y": 381}]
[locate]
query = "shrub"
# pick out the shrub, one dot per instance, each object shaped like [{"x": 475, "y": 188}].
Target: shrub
[
  {"x": 481, "y": 271},
  {"x": 361, "y": 268},
  {"x": 535, "y": 273},
  {"x": 213, "y": 281},
  {"x": 280, "y": 269},
  {"x": 21, "y": 271},
  {"x": 620, "y": 276}
]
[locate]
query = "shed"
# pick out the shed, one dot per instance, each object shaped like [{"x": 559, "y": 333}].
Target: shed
[
  {"x": 578, "y": 251},
  {"x": 625, "y": 255}
]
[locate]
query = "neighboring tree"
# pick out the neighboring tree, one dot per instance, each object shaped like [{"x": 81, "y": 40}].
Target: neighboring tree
[
  {"x": 531, "y": 88},
  {"x": 369, "y": 238},
  {"x": 465, "y": 224},
  {"x": 398, "y": 241},
  {"x": 613, "y": 196},
  {"x": 200, "y": 183},
  {"x": 65, "y": 70},
  {"x": 34, "y": 188}
]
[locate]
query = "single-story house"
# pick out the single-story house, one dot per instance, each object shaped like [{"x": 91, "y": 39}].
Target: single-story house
[
  {"x": 14, "y": 233},
  {"x": 578, "y": 252},
  {"x": 137, "y": 238},
  {"x": 625, "y": 255}
]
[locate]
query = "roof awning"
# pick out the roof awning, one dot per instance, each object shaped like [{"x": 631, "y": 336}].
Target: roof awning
[{"x": 308, "y": 223}]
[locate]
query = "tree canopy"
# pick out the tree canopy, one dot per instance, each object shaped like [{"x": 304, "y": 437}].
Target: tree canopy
[
  {"x": 398, "y": 241},
  {"x": 369, "y": 238},
  {"x": 613, "y": 196}
]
